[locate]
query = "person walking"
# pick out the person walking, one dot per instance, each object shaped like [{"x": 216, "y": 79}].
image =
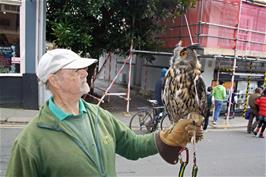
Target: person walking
[
  {"x": 233, "y": 105},
  {"x": 70, "y": 137},
  {"x": 253, "y": 109},
  {"x": 158, "y": 90},
  {"x": 261, "y": 102},
  {"x": 219, "y": 95},
  {"x": 209, "y": 106}
]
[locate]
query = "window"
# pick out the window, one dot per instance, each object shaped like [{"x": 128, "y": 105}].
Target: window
[{"x": 10, "y": 61}]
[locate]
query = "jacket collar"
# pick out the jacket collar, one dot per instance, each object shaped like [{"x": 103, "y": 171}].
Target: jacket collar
[
  {"x": 59, "y": 113},
  {"x": 46, "y": 119}
]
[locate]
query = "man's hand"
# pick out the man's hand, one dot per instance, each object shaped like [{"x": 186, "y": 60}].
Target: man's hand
[{"x": 183, "y": 131}]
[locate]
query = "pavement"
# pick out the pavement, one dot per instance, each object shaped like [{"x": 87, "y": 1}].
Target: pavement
[
  {"x": 116, "y": 105},
  {"x": 22, "y": 116}
]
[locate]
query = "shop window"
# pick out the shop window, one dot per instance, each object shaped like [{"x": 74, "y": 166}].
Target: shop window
[{"x": 10, "y": 61}]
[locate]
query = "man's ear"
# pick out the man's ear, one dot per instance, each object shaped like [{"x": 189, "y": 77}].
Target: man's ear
[{"x": 53, "y": 81}]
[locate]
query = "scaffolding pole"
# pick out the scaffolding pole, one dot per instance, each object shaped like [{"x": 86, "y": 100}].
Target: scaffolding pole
[
  {"x": 129, "y": 59},
  {"x": 151, "y": 52},
  {"x": 94, "y": 76},
  {"x": 129, "y": 76},
  {"x": 108, "y": 57},
  {"x": 234, "y": 65},
  {"x": 189, "y": 32}
]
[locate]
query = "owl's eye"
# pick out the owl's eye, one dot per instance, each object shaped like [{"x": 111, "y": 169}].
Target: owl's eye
[{"x": 183, "y": 53}]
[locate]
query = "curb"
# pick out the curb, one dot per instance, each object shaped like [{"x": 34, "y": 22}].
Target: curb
[
  {"x": 13, "y": 122},
  {"x": 209, "y": 127},
  {"x": 226, "y": 126}
]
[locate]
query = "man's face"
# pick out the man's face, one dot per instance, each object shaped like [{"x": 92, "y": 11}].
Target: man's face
[{"x": 73, "y": 81}]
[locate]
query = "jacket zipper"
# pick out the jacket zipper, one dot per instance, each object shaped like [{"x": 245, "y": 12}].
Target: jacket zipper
[
  {"x": 98, "y": 145},
  {"x": 77, "y": 142}
]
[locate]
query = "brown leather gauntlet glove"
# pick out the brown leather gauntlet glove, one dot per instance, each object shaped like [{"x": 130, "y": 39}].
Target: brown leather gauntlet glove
[{"x": 172, "y": 141}]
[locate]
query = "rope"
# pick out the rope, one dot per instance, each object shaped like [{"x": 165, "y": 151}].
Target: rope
[
  {"x": 110, "y": 67},
  {"x": 182, "y": 169},
  {"x": 183, "y": 164},
  {"x": 195, "y": 167},
  {"x": 193, "y": 139},
  {"x": 190, "y": 36},
  {"x": 194, "y": 170},
  {"x": 116, "y": 67},
  {"x": 145, "y": 78},
  {"x": 196, "y": 91}
]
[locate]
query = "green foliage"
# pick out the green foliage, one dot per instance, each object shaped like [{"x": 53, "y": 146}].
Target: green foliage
[
  {"x": 97, "y": 25},
  {"x": 68, "y": 36}
]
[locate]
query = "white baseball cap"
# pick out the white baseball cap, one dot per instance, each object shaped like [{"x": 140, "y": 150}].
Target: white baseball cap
[{"x": 57, "y": 59}]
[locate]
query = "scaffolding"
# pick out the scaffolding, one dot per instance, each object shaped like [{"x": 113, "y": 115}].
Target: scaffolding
[
  {"x": 125, "y": 95},
  {"x": 222, "y": 28},
  {"x": 234, "y": 65},
  {"x": 214, "y": 24},
  {"x": 128, "y": 61},
  {"x": 227, "y": 28}
]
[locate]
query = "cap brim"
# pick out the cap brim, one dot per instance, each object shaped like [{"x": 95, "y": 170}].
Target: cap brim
[{"x": 80, "y": 63}]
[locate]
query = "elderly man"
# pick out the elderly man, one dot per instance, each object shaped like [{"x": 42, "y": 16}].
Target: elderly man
[{"x": 70, "y": 137}]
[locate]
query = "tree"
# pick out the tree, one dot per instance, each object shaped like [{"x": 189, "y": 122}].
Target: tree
[{"x": 95, "y": 26}]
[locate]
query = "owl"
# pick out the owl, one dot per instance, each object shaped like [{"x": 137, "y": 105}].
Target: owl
[{"x": 184, "y": 91}]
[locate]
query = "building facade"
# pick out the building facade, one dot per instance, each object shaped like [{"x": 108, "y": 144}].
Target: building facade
[{"x": 227, "y": 30}]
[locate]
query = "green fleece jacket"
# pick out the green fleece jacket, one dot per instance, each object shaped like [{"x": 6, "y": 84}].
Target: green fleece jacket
[{"x": 46, "y": 148}]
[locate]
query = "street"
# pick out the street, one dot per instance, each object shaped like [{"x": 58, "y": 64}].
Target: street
[{"x": 223, "y": 152}]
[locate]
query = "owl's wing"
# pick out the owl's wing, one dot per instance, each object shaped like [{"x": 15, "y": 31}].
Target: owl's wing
[
  {"x": 178, "y": 94},
  {"x": 202, "y": 95},
  {"x": 170, "y": 93}
]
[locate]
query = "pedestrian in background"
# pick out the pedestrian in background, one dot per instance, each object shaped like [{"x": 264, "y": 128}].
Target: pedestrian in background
[
  {"x": 159, "y": 107},
  {"x": 261, "y": 102},
  {"x": 158, "y": 90},
  {"x": 219, "y": 95},
  {"x": 209, "y": 106},
  {"x": 253, "y": 110},
  {"x": 233, "y": 104},
  {"x": 70, "y": 137}
]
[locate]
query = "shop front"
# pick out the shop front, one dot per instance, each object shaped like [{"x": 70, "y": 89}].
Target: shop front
[
  {"x": 10, "y": 39},
  {"x": 18, "y": 44}
]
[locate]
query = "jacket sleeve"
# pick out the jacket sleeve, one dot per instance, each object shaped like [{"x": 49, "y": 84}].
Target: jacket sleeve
[
  {"x": 21, "y": 163},
  {"x": 257, "y": 101},
  {"x": 224, "y": 94},
  {"x": 131, "y": 145}
]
